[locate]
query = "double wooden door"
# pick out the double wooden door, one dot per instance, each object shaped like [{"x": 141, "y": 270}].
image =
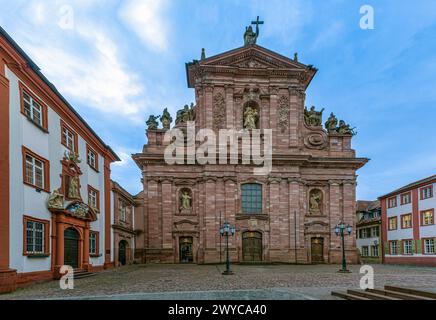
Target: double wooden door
[
  {"x": 252, "y": 246},
  {"x": 71, "y": 247}
]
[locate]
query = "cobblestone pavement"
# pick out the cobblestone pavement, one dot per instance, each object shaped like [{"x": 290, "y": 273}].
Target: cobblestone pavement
[{"x": 207, "y": 282}]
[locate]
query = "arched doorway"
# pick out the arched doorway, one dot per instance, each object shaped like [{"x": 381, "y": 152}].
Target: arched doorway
[
  {"x": 122, "y": 252},
  {"x": 71, "y": 247},
  {"x": 317, "y": 250},
  {"x": 185, "y": 250},
  {"x": 252, "y": 246}
]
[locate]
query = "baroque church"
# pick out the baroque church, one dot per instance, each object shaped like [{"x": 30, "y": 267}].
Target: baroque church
[{"x": 287, "y": 215}]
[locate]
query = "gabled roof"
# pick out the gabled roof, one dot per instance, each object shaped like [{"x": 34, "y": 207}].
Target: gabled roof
[
  {"x": 251, "y": 57},
  {"x": 411, "y": 186},
  {"x": 38, "y": 72}
]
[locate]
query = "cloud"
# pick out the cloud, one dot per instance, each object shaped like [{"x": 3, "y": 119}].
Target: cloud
[{"x": 146, "y": 19}]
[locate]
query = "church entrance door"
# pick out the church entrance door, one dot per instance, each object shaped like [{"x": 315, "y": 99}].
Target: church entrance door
[
  {"x": 185, "y": 250},
  {"x": 317, "y": 245},
  {"x": 252, "y": 246},
  {"x": 71, "y": 247},
  {"x": 122, "y": 252}
]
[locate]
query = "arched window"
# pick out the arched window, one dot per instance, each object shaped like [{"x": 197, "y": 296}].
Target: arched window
[{"x": 251, "y": 198}]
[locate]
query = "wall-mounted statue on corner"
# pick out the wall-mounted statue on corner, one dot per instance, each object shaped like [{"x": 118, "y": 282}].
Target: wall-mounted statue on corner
[
  {"x": 251, "y": 116},
  {"x": 331, "y": 123},
  {"x": 166, "y": 119},
  {"x": 345, "y": 128},
  {"x": 152, "y": 123},
  {"x": 186, "y": 114},
  {"x": 56, "y": 200},
  {"x": 312, "y": 117},
  {"x": 315, "y": 201},
  {"x": 185, "y": 200}
]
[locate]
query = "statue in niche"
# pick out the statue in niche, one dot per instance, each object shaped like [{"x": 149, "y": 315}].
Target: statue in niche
[
  {"x": 331, "y": 123},
  {"x": 186, "y": 200},
  {"x": 56, "y": 200},
  {"x": 251, "y": 116},
  {"x": 312, "y": 117},
  {"x": 166, "y": 119},
  {"x": 315, "y": 201},
  {"x": 73, "y": 188},
  {"x": 152, "y": 123},
  {"x": 345, "y": 128}
]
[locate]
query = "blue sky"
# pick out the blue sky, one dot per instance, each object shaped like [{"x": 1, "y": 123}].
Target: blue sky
[{"x": 119, "y": 61}]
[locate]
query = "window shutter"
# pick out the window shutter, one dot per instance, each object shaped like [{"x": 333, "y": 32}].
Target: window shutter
[
  {"x": 387, "y": 249},
  {"x": 418, "y": 246},
  {"x": 399, "y": 247}
]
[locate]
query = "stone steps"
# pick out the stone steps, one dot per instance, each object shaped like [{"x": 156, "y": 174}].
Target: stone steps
[
  {"x": 388, "y": 293},
  {"x": 80, "y": 274}
]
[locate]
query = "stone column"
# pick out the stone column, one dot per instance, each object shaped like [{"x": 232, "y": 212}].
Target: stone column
[
  {"x": 208, "y": 120},
  {"x": 167, "y": 214},
  {"x": 86, "y": 246},
  {"x": 296, "y": 106}
]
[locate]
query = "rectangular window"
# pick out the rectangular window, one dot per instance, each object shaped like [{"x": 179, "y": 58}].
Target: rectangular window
[
  {"x": 35, "y": 236},
  {"x": 406, "y": 198},
  {"x": 393, "y": 247},
  {"x": 364, "y": 251},
  {"x": 427, "y": 217},
  {"x": 406, "y": 221},
  {"x": 123, "y": 211},
  {"x": 93, "y": 198},
  {"x": 408, "y": 246},
  {"x": 375, "y": 232},
  {"x": 392, "y": 202},
  {"x": 93, "y": 243},
  {"x": 92, "y": 158},
  {"x": 429, "y": 246},
  {"x": 33, "y": 108},
  {"x": 35, "y": 170},
  {"x": 374, "y": 251},
  {"x": 68, "y": 137},
  {"x": 251, "y": 198},
  {"x": 426, "y": 192},
  {"x": 392, "y": 223}
]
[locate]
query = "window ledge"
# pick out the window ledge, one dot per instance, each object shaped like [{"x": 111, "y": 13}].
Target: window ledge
[
  {"x": 95, "y": 255},
  {"x": 37, "y": 256}
]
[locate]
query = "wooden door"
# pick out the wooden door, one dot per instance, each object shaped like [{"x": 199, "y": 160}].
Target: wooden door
[
  {"x": 71, "y": 247},
  {"x": 252, "y": 246},
  {"x": 317, "y": 250}
]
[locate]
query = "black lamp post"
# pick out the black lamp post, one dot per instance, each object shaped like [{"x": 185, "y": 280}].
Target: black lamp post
[
  {"x": 226, "y": 230},
  {"x": 339, "y": 230}
]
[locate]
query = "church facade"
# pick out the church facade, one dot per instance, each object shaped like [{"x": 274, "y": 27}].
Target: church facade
[{"x": 287, "y": 214}]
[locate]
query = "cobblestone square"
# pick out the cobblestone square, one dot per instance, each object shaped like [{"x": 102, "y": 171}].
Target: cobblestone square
[{"x": 278, "y": 282}]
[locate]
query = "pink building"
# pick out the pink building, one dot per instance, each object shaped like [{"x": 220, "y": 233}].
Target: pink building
[{"x": 408, "y": 224}]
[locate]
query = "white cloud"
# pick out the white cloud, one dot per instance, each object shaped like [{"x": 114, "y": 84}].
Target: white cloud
[
  {"x": 146, "y": 19},
  {"x": 125, "y": 157}
]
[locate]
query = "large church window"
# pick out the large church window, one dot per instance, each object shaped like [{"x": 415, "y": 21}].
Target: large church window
[{"x": 251, "y": 198}]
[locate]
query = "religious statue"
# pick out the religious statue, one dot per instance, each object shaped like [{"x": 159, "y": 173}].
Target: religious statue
[
  {"x": 72, "y": 156},
  {"x": 186, "y": 200},
  {"x": 312, "y": 117},
  {"x": 331, "y": 123},
  {"x": 250, "y": 118},
  {"x": 345, "y": 128},
  {"x": 166, "y": 119},
  {"x": 56, "y": 200},
  {"x": 73, "y": 188},
  {"x": 152, "y": 123},
  {"x": 186, "y": 114},
  {"x": 315, "y": 200},
  {"x": 250, "y": 37}
]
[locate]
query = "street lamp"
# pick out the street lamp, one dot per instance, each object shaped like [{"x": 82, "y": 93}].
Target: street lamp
[
  {"x": 339, "y": 230},
  {"x": 226, "y": 230}
]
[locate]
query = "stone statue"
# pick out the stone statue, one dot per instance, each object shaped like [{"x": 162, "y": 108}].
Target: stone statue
[
  {"x": 312, "y": 117},
  {"x": 331, "y": 123},
  {"x": 250, "y": 118},
  {"x": 166, "y": 119},
  {"x": 72, "y": 156},
  {"x": 186, "y": 114},
  {"x": 152, "y": 123},
  {"x": 315, "y": 200},
  {"x": 56, "y": 200},
  {"x": 73, "y": 188},
  {"x": 345, "y": 128},
  {"x": 250, "y": 37},
  {"x": 186, "y": 200}
]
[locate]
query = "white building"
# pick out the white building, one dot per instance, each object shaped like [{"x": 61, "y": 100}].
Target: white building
[
  {"x": 408, "y": 223},
  {"x": 56, "y": 209}
]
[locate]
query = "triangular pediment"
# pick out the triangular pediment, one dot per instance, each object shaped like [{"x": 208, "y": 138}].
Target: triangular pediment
[{"x": 253, "y": 56}]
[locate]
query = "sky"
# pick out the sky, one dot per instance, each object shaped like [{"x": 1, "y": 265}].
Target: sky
[{"x": 117, "y": 62}]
